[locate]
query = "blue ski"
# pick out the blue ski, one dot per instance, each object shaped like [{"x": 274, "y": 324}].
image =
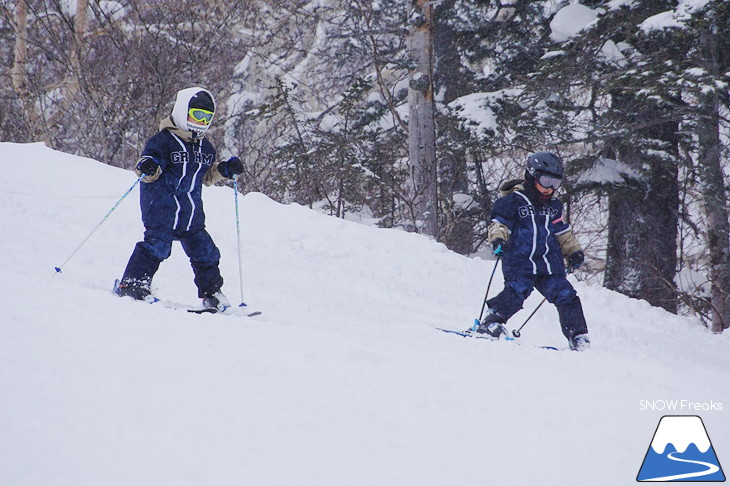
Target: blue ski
[{"x": 469, "y": 334}]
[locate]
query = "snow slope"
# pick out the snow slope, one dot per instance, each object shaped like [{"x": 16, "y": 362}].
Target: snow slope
[{"x": 342, "y": 381}]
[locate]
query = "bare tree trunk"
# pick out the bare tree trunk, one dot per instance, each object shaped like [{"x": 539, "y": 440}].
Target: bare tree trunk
[
  {"x": 17, "y": 74},
  {"x": 81, "y": 23},
  {"x": 34, "y": 127},
  {"x": 421, "y": 127},
  {"x": 713, "y": 187}
]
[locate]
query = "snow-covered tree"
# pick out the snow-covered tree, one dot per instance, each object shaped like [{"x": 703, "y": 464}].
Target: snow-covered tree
[
  {"x": 99, "y": 75},
  {"x": 627, "y": 86},
  {"x": 485, "y": 52},
  {"x": 705, "y": 78}
]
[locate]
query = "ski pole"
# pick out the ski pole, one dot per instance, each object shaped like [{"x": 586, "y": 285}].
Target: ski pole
[
  {"x": 516, "y": 332},
  {"x": 60, "y": 267},
  {"x": 486, "y": 295},
  {"x": 238, "y": 238}
]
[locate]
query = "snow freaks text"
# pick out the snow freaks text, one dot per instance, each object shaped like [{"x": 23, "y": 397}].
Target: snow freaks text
[{"x": 680, "y": 406}]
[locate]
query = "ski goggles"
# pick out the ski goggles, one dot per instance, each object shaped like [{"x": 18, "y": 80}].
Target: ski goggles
[
  {"x": 548, "y": 181},
  {"x": 200, "y": 115}
]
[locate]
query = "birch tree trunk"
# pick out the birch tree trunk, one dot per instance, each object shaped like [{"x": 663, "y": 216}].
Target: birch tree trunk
[
  {"x": 81, "y": 22},
  {"x": 31, "y": 122},
  {"x": 421, "y": 128},
  {"x": 712, "y": 184},
  {"x": 18, "y": 71}
]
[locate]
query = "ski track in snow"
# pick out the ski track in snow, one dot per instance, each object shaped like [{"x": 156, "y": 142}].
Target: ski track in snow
[{"x": 342, "y": 380}]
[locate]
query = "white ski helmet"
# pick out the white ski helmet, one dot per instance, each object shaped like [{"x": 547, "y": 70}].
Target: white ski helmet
[{"x": 197, "y": 100}]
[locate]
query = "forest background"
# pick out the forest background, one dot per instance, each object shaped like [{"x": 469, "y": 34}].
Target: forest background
[{"x": 410, "y": 114}]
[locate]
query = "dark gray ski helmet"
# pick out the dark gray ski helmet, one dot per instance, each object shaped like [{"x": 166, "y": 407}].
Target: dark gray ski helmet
[
  {"x": 545, "y": 162},
  {"x": 545, "y": 168}
]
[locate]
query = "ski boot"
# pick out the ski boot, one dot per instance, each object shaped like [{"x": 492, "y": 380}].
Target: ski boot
[
  {"x": 492, "y": 326},
  {"x": 136, "y": 290},
  {"x": 580, "y": 342},
  {"x": 215, "y": 302}
]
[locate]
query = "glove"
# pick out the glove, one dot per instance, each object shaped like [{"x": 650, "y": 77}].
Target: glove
[
  {"x": 231, "y": 167},
  {"x": 148, "y": 169},
  {"x": 499, "y": 246},
  {"x": 576, "y": 259},
  {"x": 147, "y": 166}
]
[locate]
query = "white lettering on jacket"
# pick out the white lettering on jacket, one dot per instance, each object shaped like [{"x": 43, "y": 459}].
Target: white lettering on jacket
[{"x": 184, "y": 157}]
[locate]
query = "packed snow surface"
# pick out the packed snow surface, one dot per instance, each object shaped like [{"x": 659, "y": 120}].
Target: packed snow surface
[{"x": 343, "y": 380}]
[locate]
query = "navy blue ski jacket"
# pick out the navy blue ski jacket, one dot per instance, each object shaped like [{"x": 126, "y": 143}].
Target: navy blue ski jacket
[
  {"x": 533, "y": 248},
  {"x": 173, "y": 201}
]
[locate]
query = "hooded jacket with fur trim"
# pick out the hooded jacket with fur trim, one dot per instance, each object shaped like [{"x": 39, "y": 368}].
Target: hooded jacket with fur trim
[{"x": 173, "y": 199}]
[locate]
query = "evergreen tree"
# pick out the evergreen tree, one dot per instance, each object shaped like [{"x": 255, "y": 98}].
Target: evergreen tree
[
  {"x": 608, "y": 87},
  {"x": 485, "y": 52},
  {"x": 704, "y": 77}
]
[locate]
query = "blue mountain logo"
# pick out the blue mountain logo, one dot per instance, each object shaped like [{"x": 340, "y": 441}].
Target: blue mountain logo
[{"x": 681, "y": 451}]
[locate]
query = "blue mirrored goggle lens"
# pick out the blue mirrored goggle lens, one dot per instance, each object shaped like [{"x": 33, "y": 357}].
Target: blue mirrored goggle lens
[{"x": 203, "y": 116}]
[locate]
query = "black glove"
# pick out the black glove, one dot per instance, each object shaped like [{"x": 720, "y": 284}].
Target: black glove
[
  {"x": 499, "y": 246},
  {"x": 576, "y": 259},
  {"x": 147, "y": 166},
  {"x": 231, "y": 167}
]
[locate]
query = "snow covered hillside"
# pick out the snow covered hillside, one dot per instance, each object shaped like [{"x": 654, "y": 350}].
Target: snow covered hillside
[{"x": 342, "y": 381}]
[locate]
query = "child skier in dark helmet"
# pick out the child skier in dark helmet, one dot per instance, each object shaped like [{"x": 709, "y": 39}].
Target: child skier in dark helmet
[
  {"x": 528, "y": 232},
  {"x": 176, "y": 162}
]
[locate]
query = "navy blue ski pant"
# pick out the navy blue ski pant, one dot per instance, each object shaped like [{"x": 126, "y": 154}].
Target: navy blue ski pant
[
  {"x": 555, "y": 288},
  {"x": 157, "y": 246}
]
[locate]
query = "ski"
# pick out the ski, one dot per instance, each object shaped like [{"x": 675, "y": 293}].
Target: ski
[
  {"x": 225, "y": 312},
  {"x": 469, "y": 334},
  {"x": 466, "y": 334},
  {"x": 229, "y": 311},
  {"x": 203, "y": 311}
]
